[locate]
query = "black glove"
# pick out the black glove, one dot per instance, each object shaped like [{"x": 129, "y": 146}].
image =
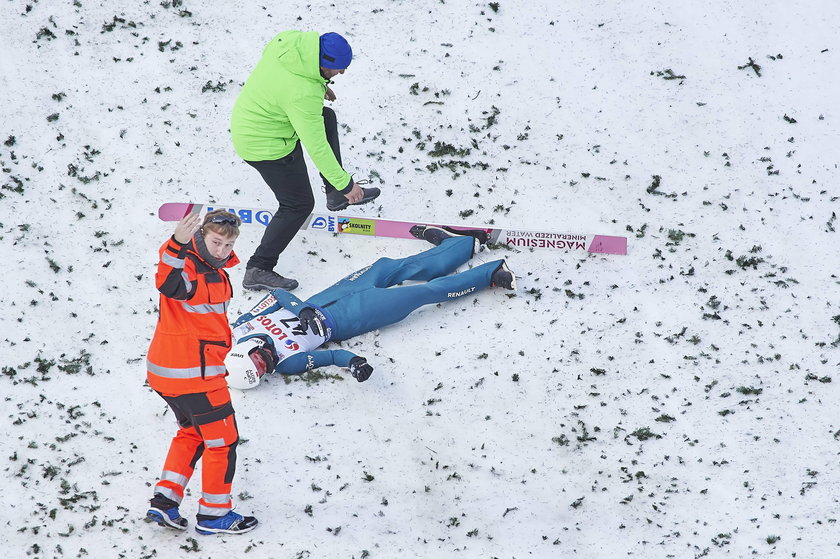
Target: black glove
[
  {"x": 309, "y": 320},
  {"x": 360, "y": 369}
]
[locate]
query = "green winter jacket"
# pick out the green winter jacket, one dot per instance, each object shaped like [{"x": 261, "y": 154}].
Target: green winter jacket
[{"x": 282, "y": 102}]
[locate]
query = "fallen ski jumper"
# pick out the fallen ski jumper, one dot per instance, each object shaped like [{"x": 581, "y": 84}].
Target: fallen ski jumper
[{"x": 282, "y": 333}]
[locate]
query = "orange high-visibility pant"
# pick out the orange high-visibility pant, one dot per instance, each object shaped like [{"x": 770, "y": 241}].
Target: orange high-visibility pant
[{"x": 207, "y": 431}]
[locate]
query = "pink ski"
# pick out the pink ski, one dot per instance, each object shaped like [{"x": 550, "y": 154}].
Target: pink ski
[{"x": 377, "y": 227}]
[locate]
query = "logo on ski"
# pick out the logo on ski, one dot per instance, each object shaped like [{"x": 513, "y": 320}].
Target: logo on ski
[
  {"x": 357, "y": 226},
  {"x": 246, "y": 215},
  {"x": 324, "y": 223},
  {"x": 537, "y": 239}
]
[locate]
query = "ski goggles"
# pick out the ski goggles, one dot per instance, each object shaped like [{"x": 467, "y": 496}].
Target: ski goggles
[{"x": 225, "y": 219}]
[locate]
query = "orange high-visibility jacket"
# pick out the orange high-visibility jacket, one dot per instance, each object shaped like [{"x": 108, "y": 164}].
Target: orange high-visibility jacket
[{"x": 193, "y": 335}]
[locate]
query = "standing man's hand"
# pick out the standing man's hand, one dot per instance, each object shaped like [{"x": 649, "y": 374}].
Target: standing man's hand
[
  {"x": 330, "y": 95},
  {"x": 355, "y": 194},
  {"x": 187, "y": 227}
]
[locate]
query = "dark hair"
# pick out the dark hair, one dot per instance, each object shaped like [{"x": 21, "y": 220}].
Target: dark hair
[{"x": 222, "y": 222}]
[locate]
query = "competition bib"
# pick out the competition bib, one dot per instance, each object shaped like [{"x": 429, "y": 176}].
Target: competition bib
[{"x": 283, "y": 327}]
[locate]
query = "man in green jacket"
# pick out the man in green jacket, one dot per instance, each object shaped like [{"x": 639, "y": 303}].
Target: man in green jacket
[{"x": 280, "y": 107}]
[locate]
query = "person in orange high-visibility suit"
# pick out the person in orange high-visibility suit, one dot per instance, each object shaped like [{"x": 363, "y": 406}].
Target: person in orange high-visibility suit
[{"x": 186, "y": 367}]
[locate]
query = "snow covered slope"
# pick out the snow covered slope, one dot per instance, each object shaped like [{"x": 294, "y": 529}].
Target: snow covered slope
[{"x": 676, "y": 402}]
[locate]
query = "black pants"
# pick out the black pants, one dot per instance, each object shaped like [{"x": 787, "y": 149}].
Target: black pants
[{"x": 288, "y": 179}]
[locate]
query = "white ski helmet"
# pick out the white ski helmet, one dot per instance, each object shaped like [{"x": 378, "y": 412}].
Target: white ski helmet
[{"x": 242, "y": 372}]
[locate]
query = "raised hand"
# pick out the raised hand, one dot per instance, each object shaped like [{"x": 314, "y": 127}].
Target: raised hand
[{"x": 187, "y": 227}]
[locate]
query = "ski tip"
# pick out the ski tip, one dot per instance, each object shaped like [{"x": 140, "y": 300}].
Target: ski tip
[
  {"x": 174, "y": 211},
  {"x": 607, "y": 244}
]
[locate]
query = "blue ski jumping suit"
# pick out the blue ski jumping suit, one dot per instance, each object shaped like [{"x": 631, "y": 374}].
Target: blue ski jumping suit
[{"x": 363, "y": 301}]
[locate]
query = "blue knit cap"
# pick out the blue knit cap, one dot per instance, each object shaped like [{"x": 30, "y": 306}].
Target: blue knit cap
[{"x": 336, "y": 53}]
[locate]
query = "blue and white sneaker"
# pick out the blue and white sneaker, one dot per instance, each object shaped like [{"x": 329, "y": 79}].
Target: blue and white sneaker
[
  {"x": 164, "y": 511},
  {"x": 231, "y": 523}
]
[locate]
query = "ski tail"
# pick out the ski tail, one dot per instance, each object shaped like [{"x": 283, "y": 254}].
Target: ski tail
[
  {"x": 608, "y": 244},
  {"x": 174, "y": 211}
]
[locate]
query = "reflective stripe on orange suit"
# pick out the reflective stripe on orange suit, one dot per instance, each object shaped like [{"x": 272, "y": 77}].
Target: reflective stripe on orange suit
[{"x": 193, "y": 336}]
